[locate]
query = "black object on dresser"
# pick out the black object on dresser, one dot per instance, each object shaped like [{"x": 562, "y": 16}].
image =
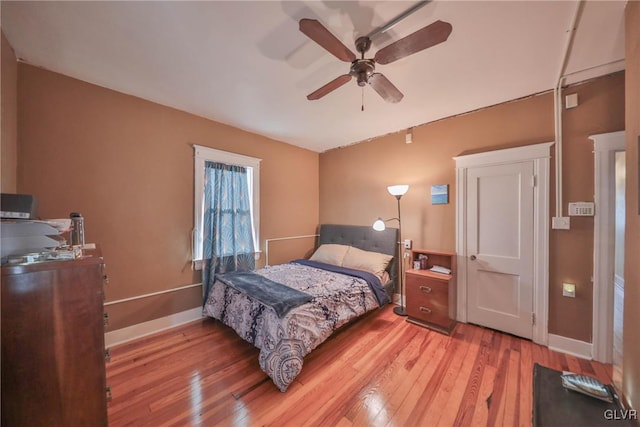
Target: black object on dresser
[
  {"x": 53, "y": 355},
  {"x": 431, "y": 295}
]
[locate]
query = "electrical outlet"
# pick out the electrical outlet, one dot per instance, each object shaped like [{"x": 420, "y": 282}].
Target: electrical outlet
[{"x": 407, "y": 243}]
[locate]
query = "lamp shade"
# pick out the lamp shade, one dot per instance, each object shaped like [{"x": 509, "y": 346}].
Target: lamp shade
[
  {"x": 379, "y": 225},
  {"x": 397, "y": 190}
]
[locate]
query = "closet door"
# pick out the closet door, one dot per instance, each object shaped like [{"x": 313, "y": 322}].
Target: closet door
[{"x": 499, "y": 229}]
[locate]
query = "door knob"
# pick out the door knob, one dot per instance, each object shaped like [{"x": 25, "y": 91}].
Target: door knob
[{"x": 473, "y": 257}]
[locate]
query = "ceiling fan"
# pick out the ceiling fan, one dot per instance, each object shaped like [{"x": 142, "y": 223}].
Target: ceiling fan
[{"x": 363, "y": 69}]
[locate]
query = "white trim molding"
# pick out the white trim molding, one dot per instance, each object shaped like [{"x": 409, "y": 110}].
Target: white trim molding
[
  {"x": 506, "y": 155},
  {"x": 605, "y": 147},
  {"x": 120, "y": 336},
  {"x": 540, "y": 155},
  {"x": 570, "y": 346},
  {"x": 152, "y": 294}
]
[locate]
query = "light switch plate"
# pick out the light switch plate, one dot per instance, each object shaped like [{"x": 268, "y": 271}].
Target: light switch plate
[{"x": 560, "y": 223}]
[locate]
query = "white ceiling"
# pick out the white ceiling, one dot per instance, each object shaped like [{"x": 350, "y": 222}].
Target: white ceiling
[{"x": 247, "y": 65}]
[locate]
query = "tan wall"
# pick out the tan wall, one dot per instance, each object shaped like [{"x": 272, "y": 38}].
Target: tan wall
[
  {"x": 127, "y": 165},
  {"x": 9, "y": 119},
  {"x": 631, "y": 337},
  {"x": 600, "y": 110},
  {"x": 353, "y": 180}
]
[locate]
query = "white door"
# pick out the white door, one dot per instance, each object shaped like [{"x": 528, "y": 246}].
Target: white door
[{"x": 500, "y": 241}]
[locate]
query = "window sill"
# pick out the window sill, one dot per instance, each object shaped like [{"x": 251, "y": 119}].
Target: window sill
[{"x": 196, "y": 264}]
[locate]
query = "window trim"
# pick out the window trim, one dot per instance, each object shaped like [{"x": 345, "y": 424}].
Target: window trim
[{"x": 200, "y": 156}]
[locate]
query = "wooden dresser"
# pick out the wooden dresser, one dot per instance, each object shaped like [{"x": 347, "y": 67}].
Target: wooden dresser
[
  {"x": 53, "y": 355},
  {"x": 430, "y": 296}
]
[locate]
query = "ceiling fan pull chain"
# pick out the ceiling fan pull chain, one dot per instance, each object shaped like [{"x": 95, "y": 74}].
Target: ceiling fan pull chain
[{"x": 362, "y": 108}]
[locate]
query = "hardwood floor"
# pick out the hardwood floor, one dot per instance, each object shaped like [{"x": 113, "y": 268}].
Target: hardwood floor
[{"x": 379, "y": 371}]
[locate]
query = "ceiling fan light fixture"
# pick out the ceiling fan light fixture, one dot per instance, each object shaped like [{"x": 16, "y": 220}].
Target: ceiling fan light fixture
[
  {"x": 362, "y": 79},
  {"x": 364, "y": 69}
]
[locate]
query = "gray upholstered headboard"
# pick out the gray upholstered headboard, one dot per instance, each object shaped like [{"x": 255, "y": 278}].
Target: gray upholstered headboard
[{"x": 365, "y": 238}]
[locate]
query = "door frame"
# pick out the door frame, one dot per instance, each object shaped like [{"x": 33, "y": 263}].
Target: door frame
[
  {"x": 540, "y": 155},
  {"x": 605, "y": 146}
]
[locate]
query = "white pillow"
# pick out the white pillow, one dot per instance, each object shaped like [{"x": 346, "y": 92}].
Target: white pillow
[
  {"x": 330, "y": 254},
  {"x": 373, "y": 262}
]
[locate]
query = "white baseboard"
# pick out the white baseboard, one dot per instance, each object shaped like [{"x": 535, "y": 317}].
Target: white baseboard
[
  {"x": 140, "y": 330},
  {"x": 570, "y": 346}
]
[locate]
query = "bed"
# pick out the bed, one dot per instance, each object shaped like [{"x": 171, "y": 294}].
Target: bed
[{"x": 288, "y": 310}]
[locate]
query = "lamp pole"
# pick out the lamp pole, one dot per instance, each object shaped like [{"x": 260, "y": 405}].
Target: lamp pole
[
  {"x": 400, "y": 311},
  {"x": 396, "y": 191}
]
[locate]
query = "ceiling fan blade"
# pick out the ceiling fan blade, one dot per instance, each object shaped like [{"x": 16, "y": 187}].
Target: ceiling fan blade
[
  {"x": 329, "y": 87},
  {"x": 385, "y": 88},
  {"x": 422, "y": 39},
  {"x": 319, "y": 34}
]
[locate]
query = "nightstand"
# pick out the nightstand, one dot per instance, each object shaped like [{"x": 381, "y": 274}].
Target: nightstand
[{"x": 431, "y": 296}]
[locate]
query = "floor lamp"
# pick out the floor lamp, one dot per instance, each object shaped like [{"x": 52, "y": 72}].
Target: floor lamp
[{"x": 397, "y": 191}]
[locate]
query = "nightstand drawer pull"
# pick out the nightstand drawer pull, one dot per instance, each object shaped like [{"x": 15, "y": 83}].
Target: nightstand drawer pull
[
  {"x": 425, "y": 310},
  {"x": 425, "y": 289}
]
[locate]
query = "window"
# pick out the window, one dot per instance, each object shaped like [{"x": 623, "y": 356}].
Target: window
[{"x": 203, "y": 155}]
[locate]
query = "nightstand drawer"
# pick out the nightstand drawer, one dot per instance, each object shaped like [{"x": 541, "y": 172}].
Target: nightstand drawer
[
  {"x": 429, "y": 312},
  {"x": 429, "y": 300},
  {"x": 431, "y": 292}
]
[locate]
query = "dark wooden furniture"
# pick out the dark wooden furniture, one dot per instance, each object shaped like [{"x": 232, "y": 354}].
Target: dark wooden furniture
[
  {"x": 53, "y": 356},
  {"x": 430, "y": 296}
]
